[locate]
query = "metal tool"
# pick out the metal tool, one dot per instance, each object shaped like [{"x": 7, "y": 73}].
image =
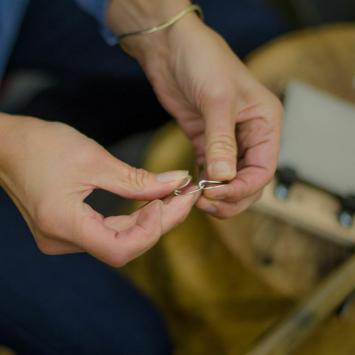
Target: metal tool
[{"x": 202, "y": 185}]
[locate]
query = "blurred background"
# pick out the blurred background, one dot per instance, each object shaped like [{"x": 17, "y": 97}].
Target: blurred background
[{"x": 279, "y": 278}]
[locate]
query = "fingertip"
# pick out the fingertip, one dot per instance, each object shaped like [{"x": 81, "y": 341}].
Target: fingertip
[
  {"x": 207, "y": 205},
  {"x": 184, "y": 201},
  {"x": 191, "y": 195},
  {"x": 167, "y": 188},
  {"x": 219, "y": 192},
  {"x": 177, "y": 209},
  {"x": 222, "y": 170},
  {"x": 210, "y": 209}
]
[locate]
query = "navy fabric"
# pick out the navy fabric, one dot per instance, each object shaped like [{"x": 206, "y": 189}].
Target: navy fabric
[
  {"x": 53, "y": 41},
  {"x": 60, "y": 38},
  {"x": 12, "y": 11},
  {"x": 100, "y": 81},
  {"x": 73, "y": 304}
]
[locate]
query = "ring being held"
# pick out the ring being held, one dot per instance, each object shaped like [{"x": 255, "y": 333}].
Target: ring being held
[{"x": 202, "y": 185}]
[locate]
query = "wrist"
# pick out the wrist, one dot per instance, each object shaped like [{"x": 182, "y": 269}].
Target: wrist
[
  {"x": 127, "y": 17},
  {"x": 13, "y": 135},
  {"x": 7, "y": 123},
  {"x": 150, "y": 49},
  {"x": 6, "y": 128}
]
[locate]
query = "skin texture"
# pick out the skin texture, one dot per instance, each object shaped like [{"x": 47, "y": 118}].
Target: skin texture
[
  {"x": 233, "y": 122},
  {"x": 48, "y": 169}
]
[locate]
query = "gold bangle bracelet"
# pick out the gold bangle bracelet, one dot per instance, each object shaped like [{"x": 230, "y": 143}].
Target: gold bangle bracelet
[{"x": 167, "y": 23}]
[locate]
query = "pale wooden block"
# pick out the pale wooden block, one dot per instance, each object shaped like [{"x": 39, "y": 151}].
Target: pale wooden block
[
  {"x": 308, "y": 208},
  {"x": 318, "y": 138}
]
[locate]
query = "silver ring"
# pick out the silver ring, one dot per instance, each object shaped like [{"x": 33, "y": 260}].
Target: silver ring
[
  {"x": 178, "y": 191},
  {"x": 198, "y": 188},
  {"x": 215, "y": 184},
  {"x": 202, "y": 185}
]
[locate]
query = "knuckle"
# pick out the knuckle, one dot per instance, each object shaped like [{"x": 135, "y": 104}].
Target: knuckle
[
  {"x": 223, "y": 144},
  {"x": 88, "y": 157},
  {"x": 138, "y": 178},
  {"x": 220, "y": 95}
]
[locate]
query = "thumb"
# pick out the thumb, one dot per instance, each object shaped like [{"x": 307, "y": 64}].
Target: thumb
[
  {"x": 139, "y": 184},
  {"x": 220, "y": 146}
]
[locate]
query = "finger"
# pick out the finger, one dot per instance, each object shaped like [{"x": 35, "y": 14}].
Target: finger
[
  {"x": 224, "y": 210},
  {"x": 220, "y": 142},
  {"x": 139, "y": 184},
  {"x": 118, "y": 240},
  {"x": 257, "y": 164},
  {"x": 248, "y": 182},
  {"x": 256, "y": 169},
  {"x": 176, "y": 209}
]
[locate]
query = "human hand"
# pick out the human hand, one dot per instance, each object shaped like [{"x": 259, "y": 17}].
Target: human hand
[
  {"x": 233, "y": 122},
  {"x": 48, "y": 169}
]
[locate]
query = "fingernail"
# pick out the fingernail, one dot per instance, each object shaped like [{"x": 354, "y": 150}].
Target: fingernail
[
  {"x": 222, "y": 169},
  {"x": 171, "y": 176}
]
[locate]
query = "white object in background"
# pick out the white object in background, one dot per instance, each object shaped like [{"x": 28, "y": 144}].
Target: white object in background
[{"x": 318, "y": 138}]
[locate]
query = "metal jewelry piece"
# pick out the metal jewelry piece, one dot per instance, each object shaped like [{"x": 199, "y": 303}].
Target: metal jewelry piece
[
  {"x": 179, "y": 191},
  {"x": 202, "y": 185},
  {"x": 210, "y": 184},
  {"x": 167, "y": 23}
]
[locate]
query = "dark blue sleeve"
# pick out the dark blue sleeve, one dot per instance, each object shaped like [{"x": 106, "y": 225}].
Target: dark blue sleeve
[{"x": 97, "y": 8}]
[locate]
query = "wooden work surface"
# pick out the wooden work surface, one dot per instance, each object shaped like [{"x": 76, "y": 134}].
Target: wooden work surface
[{"x": 223, "y": 283}]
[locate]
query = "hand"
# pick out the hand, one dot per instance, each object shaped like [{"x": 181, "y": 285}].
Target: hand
[
  {"x": 48, "y": 169},
  {"x": 233, "y": 121}
]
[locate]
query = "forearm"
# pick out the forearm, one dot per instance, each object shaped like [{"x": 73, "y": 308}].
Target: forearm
[
  {"x": 15, "y": 134},
  {"x": 6, "y": 129}
]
